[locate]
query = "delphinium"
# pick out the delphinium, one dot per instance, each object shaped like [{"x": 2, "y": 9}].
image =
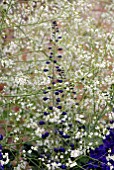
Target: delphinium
[
  {"x": 53, "y": 94},
  {"x": 58, "y": 129},
  {"x": 63, "y": 134},
  {"x": 59, "y": 115}
]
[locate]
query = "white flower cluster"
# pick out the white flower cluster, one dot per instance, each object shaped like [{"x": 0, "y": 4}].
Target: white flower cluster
[
  {"x": 110, "y": 157},
  {"x": 7, "y": 63},
  {"x": 6, "y": 157},
  {"x": 22, "y": 165},
  {"x": 75, "y": 153},
  {"x": 21, "y": 80},
  {"x": 55, "y": 116}
]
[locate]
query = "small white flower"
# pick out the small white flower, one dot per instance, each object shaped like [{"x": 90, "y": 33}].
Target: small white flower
[
  {"x": 73, "y": 164},
  {"x": 75, "y": 153},
  {"x": 30, "y": 151}
]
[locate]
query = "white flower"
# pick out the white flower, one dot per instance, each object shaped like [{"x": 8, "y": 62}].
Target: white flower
[
  {"x": 6, "y": 159},
  {"x": 54, "y": 165},
  {"x": 73, "y": 164},
  {"x": 75, "y": 153},
  {"x": 7, "y": 63}
]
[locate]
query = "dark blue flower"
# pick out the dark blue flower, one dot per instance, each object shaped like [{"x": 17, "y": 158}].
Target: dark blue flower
[
  {"x": 0, "y": 147},
  {"x": 103, "y": 166},
  {"x": 58, "y": 100},
  {"x": 1, "y": 156},
  {"x": 112, "y": 121},
  {"x": 74, "y": 92},
  {"x": 100, "y": 153},
  {"x": 56, "y": 150},
  {"x": 45, "y": 135},
  {"x": 54, "y": 61},
  {"x": 60, "y": 81},
  {"x": 49, "y": 48},
  {"x": 72, "y": 146},
  {"x": 56, "y": 93},
  {"x": 41, "y": 122},
  {"x": 60, "y": 132},
  {"x": 45, "y": 92},
  {"x": 63, "y": 166},
  {"x": 53, "y": 82},
  {"x": 50, "y": 108},
  {"x": 50, "y": 77},
  {"x": 54, "y": 23},
  {"x": 45, "y": 98},
  {"x": 70, "y": 124},
  {"x": 59, "y": 56},
  {"x": 61, "y": 149},
  {"x": 112, "y": 151},
  {"x": 46, "y": 113},
  {"x": 59, "y": 70},
  {"x": 66, "y": 136},
  {"x": 45, "y": 70},
  {"x": 112, "y": 162},
  {"x": 1, "y": 167},
  {"x": 47, "y": 62},
  {"x": 1, "y": 136},
  {"x": 60, "y": 49},
  {"x": 61, "y": 91},
  {"x": 59, "y": 37},
  {"x": 64, "y": 113},
  {"x": 59, "y": 107}
]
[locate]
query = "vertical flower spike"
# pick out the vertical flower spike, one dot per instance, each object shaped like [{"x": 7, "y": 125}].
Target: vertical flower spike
[{"x": 55, "y": 114}]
